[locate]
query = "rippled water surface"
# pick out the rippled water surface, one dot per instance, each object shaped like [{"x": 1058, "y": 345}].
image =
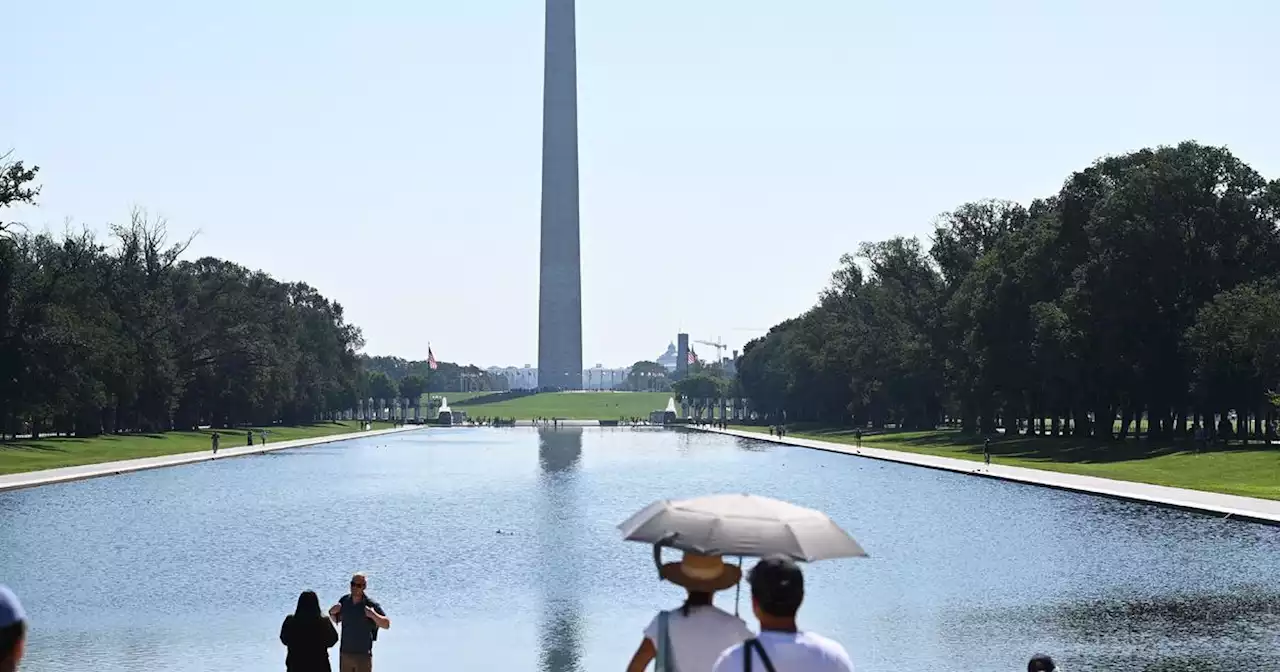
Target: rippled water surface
[{"x": 192, "y": 568}]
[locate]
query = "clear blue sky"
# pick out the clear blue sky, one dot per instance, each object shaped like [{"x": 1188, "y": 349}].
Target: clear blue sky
[{"x": 387, "y": 151}]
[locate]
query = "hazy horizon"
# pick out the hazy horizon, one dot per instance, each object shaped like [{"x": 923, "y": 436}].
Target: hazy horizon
[{"x": 389, "y": 153}]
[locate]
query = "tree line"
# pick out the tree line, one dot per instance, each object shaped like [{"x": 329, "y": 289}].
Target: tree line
[
  {"x": 125, "y": 336},
  {"x": 396, "y": 376},
  {"x": 1144, "y": 293}
]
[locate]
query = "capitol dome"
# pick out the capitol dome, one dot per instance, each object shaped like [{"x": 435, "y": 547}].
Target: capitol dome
[{"x": 669, "y": 358}]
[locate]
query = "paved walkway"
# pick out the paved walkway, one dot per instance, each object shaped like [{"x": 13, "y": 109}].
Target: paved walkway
[
  {"x": 1233, "y": 506},
  {"x": 49, "y": 476}
]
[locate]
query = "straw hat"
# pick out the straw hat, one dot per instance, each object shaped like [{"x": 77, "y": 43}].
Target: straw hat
[{"x": 701, "y": 573}]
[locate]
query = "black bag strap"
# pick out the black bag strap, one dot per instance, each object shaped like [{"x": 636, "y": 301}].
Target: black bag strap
[{"x": 754, "y": 644}]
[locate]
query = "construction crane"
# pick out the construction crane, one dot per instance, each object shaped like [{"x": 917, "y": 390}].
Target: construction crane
[{"x": 718, "y": 346}]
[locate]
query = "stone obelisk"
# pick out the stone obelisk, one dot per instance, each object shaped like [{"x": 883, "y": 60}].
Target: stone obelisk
[{"x": 560, "y": 278}]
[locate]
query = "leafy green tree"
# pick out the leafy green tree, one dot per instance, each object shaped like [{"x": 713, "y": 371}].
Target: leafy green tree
[
  {"x": 1140, "y": 290},
  {"x": 382, "y": 387},
  {"x": 1235, "y": 349},
  {"x": 412, "y": 386},
  {"x": 700, "y": 389},
  {"x": 647, "y": 376}
]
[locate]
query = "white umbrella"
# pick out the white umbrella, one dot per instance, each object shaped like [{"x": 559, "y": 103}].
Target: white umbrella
[{"x": 741, "y": 525}]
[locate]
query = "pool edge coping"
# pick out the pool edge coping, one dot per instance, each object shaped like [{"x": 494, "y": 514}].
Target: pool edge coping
[{"x": 34, "y": 479}]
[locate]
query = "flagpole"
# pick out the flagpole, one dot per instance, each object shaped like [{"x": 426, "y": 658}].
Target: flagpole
[{"x": 431, "y": 366}]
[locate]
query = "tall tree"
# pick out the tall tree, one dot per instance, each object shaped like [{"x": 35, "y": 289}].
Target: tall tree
[{"x": 1116, "y": 297}]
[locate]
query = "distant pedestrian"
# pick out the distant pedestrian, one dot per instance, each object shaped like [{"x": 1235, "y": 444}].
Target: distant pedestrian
[
  {"x": 1041, "y": 663},
  {"x": 986, "y": 451},
  {"x": 248, "y": 435},
  {"x": 857, "y": 437},
  {"x": 361, "y": 617},
  {"x": 308, "y": 635},
  {"x": 262, "y": 435},
  {"x": 214, "y": 439},
  {"x": 13, "y": 630},
  {"x": 777, "y": 590}
]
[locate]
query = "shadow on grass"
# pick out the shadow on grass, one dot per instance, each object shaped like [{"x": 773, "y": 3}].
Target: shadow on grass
[
  {"x": 37, "y": 445},
  {"x": 1032, "y": 448}
]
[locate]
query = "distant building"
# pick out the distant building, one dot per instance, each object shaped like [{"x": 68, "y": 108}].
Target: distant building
[
  {"x": 600, "y": 378},
  {"x": 669, "y": 358},
  {"x": 523, "y": 378},
  {"x": 597, "y": 377}
]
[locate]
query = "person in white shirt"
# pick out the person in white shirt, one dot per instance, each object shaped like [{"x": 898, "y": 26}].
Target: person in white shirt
[
  {"x": 777, "y": 589},
  {"x": 689, "y": 639}
]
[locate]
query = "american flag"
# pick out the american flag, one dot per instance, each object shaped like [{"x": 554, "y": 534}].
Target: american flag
[
  {"x": 693, "y": 356},
  {"x": 431, "y": 360}
]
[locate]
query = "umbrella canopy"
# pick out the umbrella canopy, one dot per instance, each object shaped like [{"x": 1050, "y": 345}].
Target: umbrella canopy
[{"x": 741, "y": 525}]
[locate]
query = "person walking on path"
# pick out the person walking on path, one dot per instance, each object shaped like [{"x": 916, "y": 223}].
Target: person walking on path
[
  {"x": 308, "y": 635},
  {"x": 361, "y": 617},
  {"x": 857, "y": 437},
  {"x": 986, "y": 452},
  {"x": 13, "y": 630},
  {"x": 214, "y": 438},
  {"x": 249, "y": 435},
  {"x": 777, "y": 590},
  {"x": 690, "y": 638}
]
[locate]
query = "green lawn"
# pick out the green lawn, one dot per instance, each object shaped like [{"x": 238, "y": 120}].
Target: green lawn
[
  {"x": 1252, "y": 471},
  {"x": 573, "y": 406},
  {"x": 32, "y": 455}
]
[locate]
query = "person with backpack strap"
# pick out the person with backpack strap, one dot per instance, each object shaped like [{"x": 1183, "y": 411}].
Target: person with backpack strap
[
  {"x": 690, "y": 638},
  {"x": 777, "y": 589},
  {"x": 361, "y": 617}
]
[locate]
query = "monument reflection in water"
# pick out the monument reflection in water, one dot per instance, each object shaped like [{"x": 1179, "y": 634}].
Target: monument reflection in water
[
  {"x": 127, "y": 574},
  {"x": 559, "y": 531}
]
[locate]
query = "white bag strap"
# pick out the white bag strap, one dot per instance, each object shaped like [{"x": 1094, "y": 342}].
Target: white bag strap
[{"x": 664, "y": 661}]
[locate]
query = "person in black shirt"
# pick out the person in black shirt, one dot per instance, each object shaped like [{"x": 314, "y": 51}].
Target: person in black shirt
[{"x": 308, "y": 635}]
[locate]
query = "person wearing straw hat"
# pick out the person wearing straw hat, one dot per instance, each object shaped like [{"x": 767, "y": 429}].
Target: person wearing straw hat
[{"x": 692, "y": 637}]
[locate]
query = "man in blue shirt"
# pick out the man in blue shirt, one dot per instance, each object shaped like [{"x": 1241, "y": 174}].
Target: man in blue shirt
[{"x": 360, "y": 617}]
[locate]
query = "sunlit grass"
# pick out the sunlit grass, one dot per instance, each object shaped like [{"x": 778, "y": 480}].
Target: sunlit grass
[
  {"x": 1251, "y": 471},
  {"x": 51, "y": 453}
]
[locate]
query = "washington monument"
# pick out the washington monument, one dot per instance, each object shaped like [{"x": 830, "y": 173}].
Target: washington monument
[{"x": 560, "y": 277}]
